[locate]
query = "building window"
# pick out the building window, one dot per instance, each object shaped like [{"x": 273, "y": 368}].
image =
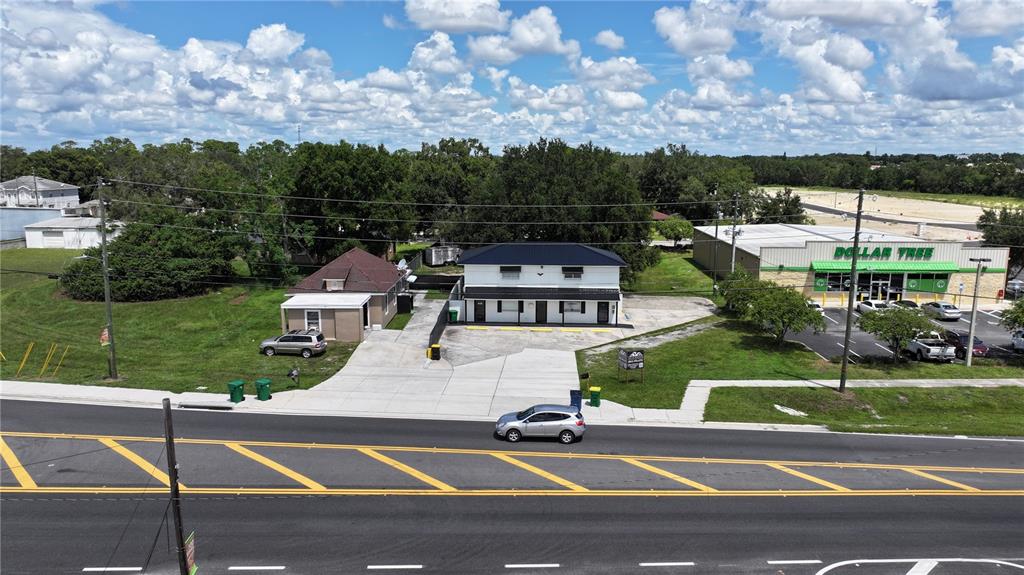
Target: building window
[
  {"x": 313, "y": 319},
  {"x": 510, "y": 272},
  {"x": 572, "y": 273},
  {"x": 499, "y": 306},
  {"x": 573, "y": 307}
]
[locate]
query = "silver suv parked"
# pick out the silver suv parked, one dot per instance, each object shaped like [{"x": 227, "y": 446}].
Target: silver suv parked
[
  {"x": 306, "y": 343},
  {"x": 562, "y": 421}
]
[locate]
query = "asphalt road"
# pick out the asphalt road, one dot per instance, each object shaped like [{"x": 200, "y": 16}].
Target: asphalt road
[
  {"x": 830, "y": 342},
  {"x": 66, "y": 532}
]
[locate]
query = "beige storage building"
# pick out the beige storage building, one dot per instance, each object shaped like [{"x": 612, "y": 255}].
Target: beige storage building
[{"x": 816, "y": 260}]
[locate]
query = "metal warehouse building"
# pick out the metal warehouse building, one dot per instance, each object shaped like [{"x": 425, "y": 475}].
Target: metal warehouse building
[{"x": 816, "y": 260}]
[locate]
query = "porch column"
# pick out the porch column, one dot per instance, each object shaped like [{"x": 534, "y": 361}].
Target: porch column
[{"x": 284, "y": 321}]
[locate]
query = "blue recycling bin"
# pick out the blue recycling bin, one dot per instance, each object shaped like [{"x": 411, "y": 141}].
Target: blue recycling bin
[{"x": 576, "y": 398}]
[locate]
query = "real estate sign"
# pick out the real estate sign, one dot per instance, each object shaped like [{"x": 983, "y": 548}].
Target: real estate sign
[{"x": 631, "y": 358}]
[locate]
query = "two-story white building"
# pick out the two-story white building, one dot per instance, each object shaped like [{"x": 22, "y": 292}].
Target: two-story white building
[{"x": 541, "y": 283}]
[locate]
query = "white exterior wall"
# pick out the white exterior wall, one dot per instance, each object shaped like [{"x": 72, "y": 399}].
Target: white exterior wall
[
  {"x": 509, "y": 314},
  {"x": 594, "y": 277},
  {"x": 46, "y": 199},
  {"x": 74, "y": 239}
]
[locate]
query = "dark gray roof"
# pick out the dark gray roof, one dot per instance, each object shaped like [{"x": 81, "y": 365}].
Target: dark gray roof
[
  {"x": 34, "y": 183},
  {"x": 541, "y": 254},
  {"x": 567, "y": 294}
]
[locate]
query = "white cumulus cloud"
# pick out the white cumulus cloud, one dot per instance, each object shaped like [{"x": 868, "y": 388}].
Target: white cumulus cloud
[
  {"x": 274, "y": 42},
  {"x": 704, "y": 28},
  {"x": 609, "y": 39},
  {"x": 457, "y": 16},
  {"x": 987, "y": 17}
]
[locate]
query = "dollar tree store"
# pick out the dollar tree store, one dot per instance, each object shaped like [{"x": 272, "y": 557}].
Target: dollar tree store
[{"x": 816, "y": 260}]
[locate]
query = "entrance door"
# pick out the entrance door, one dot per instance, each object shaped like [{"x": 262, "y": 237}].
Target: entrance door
[
  {"x": 479, "y": 310},
  {"x": 542, "y": 312},
  {"x": 602, "y": 312},
  {"x": 880, "y": 289}
]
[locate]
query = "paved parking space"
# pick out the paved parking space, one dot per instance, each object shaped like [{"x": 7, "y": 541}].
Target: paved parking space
[
  {"x": 829, "y": 344},
  {"x": 69, "y": 463}
]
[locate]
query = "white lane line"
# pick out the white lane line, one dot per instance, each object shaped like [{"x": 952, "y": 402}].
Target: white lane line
[
  {"x": 795, "y": 562},
  {"x": 883, "y": 347},
  {"x": 835, "y": 321},
  {"x": 992, "y": 322},
  {"x": 922, "y": 567},
  {"x": 111, "y": 569},
  {"x": 964, "y": 320},
  {"x": 1001, "y": 348},
  {"x": 256, "y": 568},
  {"x": 379, "y": 567},
  {"x": 819, "y": 355},
  {"x": 851, "y": 350},
  {"x": 668, "y": 564},
  {"x": 532, "y": 566},
  {"x": 990, "y": 313}
]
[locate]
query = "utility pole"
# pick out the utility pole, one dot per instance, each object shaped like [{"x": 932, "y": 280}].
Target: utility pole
[
  {"x": 735, "y": 215},
  {"x": 969, "y": 353},
  {"x": 112, "y": 356},
  {"x": 172, "y": 473},
  {"x": 853, "y": 291}
]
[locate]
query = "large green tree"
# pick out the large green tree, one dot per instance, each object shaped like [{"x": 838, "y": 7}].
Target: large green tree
[
  {"x": 1005, "y": 227},
  {"x": 1013, "y": 318},
  {"x": 780, "y": 311},
  {"x": 895, "y": 326}
]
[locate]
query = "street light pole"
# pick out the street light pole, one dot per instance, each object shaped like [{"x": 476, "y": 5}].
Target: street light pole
[
  {"x": 735, "y": 214},
  {"x": 969, "y": 352},
  {"x": 853, "y": 291},
  {"x": 172, "y": 475},
  {"x": 112, "y": 357}
]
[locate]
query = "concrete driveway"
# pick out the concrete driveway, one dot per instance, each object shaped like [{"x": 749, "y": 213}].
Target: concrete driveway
[{"x": 463, "y": 344}]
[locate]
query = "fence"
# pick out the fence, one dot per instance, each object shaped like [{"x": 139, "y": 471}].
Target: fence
[
  {"x": 435, "y": 281},
  {"x": 439, "y": 325}
]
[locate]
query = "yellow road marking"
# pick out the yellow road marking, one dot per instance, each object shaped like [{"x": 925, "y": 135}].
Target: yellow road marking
[
  {"x": 600, "y": 330},
  {"x": 540, "y": 329},
  {"x": 524, "y": 492},
  {"x": 137, "y": 460},
  {"x": 510, "y": 329},
  {"x": 949, "y": 482},
  {"x": 410, "y": 470},
  {"x": 538, "y": 471},
  {"x": 810, "y": 478},
  {"x": 19, "y": 471},
  {"x": 668, "y": 474},
  {"x": 276, "y": 466},
  {"x": 570, "y": 329},
  {"x": 447, "y": 450},
  {"x": 476, "y": 327}
]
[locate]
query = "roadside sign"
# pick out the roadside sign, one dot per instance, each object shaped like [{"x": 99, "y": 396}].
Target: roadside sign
[
  {"x": 631, "y": 358},
  {"x": 190, "y": 554},
  {"x": 104, "y": 337},
  {"x": 961, "y": 286}
]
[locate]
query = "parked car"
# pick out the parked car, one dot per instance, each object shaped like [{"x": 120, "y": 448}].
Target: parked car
[
  {"x": 931, "y": 347},
  {"x": 959, "y": 343},
  {"x": 1017, "y": 341},
  {"x": 306, "y": 343},
  {"x": 871, "y": 305},
  {"x": 1015, "y": 289},
  {"x": 562, "y": 421},
  {"x": 906, "y": 303},
  {"x": 816, "y": 307},
  {"x": 941, "y": 310}
]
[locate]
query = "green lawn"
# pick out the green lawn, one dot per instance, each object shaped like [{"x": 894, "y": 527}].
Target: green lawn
[
  {"x": 962, "y": 199},
  {"x": 437, "y": 294},
  {"x": 399, "y": 321},
  {"x": 954, "y": 410},
  {"x": 675, "y": 274},
  {"x": 409, "y": 251},
  {"x": 448, "y": 269},
  {"x": 38, "y": 261},
  {"x": 177, "y": 345},
  {"x": 732, "y": 351}
]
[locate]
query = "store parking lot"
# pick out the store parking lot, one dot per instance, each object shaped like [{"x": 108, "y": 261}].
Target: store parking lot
[{"x": 829, "y": 344}]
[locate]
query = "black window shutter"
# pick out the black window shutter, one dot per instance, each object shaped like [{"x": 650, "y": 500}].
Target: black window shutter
[
  {"x": 520, "y": 306},
  {"x": 499, "y": 306},
  {"x": 583, "y": 307},
  {"x": 561, "y": 307}
]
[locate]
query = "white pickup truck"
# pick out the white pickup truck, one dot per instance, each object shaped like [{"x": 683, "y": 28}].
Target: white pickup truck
[{"x": 931, "y": 346}]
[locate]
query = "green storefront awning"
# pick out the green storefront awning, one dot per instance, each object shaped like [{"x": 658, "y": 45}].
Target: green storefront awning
[{"x": 895, "y": 267}]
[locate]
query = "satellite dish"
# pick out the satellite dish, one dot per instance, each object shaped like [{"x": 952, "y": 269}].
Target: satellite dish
[{"x": 402, "y": 264}]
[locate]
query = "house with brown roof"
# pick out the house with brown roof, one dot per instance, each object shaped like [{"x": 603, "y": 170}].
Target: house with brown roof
[{"x": 350, "y": 294}]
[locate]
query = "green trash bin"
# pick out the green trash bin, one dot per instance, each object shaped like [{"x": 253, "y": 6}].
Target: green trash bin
[
  {"x": 263, "y": 389},
  {"x": 595, "y": 396},
  {"x": 236, "y": 389},
  {"x": 453, "y": 315}
]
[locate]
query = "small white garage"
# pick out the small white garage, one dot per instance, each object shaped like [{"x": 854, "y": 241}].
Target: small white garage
[{"x": 68, "y": 233}]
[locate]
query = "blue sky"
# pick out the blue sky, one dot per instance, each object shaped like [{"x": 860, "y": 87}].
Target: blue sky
[{"x": 800, "y": 76}]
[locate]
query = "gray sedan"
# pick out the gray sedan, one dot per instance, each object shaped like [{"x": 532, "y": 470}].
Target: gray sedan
[
  {"x": 562, "y": 421},
  {"x": 941, "y": 310}
]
